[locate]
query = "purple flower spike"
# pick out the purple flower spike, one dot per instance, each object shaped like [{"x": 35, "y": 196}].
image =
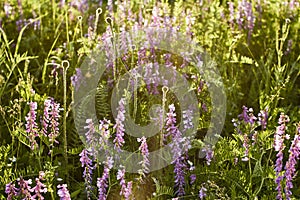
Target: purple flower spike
[
  {"x": 31, "y": 125},
  {"x": 209, "y": 154},
  {"x": 76, "y": 79},
  {"x": 90, "y": 137},
  {"x": 11, "y": 191},
  {"x": 87, "y": 163},
  {"x": 279, "y": 147},
  {"x": 290, "y": 166},
  {"x": 25, "y": 188},
  {"x": 263, "y": 118},
  {"x": 193, "y": 178},
  {"x": 54, "y": 122},
  {"x": 63, "y": 192},
  {"x": 145, "y": 153},
  {"x": 39, "y": 189},
  {"x": 119, "y": 126},
  {"x": 202, "y": 192},
  {"x": 102, "y": 183}
]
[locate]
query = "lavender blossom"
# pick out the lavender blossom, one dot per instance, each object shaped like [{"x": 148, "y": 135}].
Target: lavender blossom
[
  {"x": 244, "y": 116},
  {"x": 145, "y": 153},
  {"x": 126, "y": 189},
  {"x": 119, "y": 126},
  {"x": 11, "y": 191},
  {"x": 104, "y": 134},
  {"x": 90, "y": 137},
  {"x": 193, "y": 178},
  {"x": 290, "y": 166},
  {"x": 87, "y": 163},
  {"x": 121, "y": 178},
  {"x": 7, "y": 9},
  {"x": 187, "y": 119},
  {"x": 231, "y": 11},
  {"x": 25, "y": 188},
  {"x": 102, "y": 183},
  {"x": 263, "y": 118},
  {"x": 63, "y": 192},
  {"x": 179, "y": 160},
  {"x": 209, "y": 153},
  {"x": 54, "y": 122},
  {"x": 31, "y": 125},
  {"x": 279, "y": 147},
  {"x": 76, "y": 79},
  {"x": 81, "y": 5},
  {"x": 179, "y": 170},
  {"x": 39, "y": 189},
  {"x": 202, "y": 192}
]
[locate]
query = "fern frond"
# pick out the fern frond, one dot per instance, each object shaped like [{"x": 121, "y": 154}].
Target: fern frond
[{"x": 102, "y": 102}]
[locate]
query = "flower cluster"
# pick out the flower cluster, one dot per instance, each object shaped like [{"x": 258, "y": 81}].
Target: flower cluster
[
  {"x": 126, "y": 190},
  {"x": 119, "y": 126},
  {"x": 102, "y": 183},
  {"x": 145, "y": 153},
  {"x": 202, "y": 192},
  {"x": 244, "y": 16},
  {"x": 87, "y": 163},
  {"x": 63, "y": 192},
  {"x": 290, "y": 166},
  {"x": 31, "y": 125},
  {"x": 179, "y": 159},
  {"x": 248, "y": 122},
  {"x": 54, "y": 122},
  {"x": 209, "y": 153},
  {"x": 25, "y": 190}
]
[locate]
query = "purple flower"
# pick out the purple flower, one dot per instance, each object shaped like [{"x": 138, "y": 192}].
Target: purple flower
[
  {"x": 263, "y": 118},
  {"x": 126, "y": 189},
  {"x": 202, "y": 192},
  {"x": 145, "y": 153},
  {"x": 31, "y": 125},
  {"x": 63, "y": 192},
  {"x": 187, "y": 119},
  {"x": 244, "y": 116},
  {"x": 209, "y": 154},
  {"x": 7, "y": 9},
  {"x": 102, "y": 183},
  {"x": 25, "y": 188},
  {"x": 121, "y": 178},
  {"x": 290, "y": 166},
  {"x": 54, "y": 122},
  {"x": 231, "y": 11},
  {"x": 76, "y": 79},
  {"x": 104, "y": 134},
  {"x": 119, "y": 126},
  {"x": 11, "y": 191},
  {"x": 179, "y": 170},
  {"x": 279, "y": 147},
  {"x": 87, "y": 163},
  {"x": 178, "y": 147},
  {"x": 81, "y": 5},
  {"x": 193, "y": 178},
  {"x": 90, "y": 137},
  {"x": 39, "y": 189}
]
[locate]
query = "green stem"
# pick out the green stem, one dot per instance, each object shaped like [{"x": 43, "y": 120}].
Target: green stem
[{"x": 65, "y": 66}]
